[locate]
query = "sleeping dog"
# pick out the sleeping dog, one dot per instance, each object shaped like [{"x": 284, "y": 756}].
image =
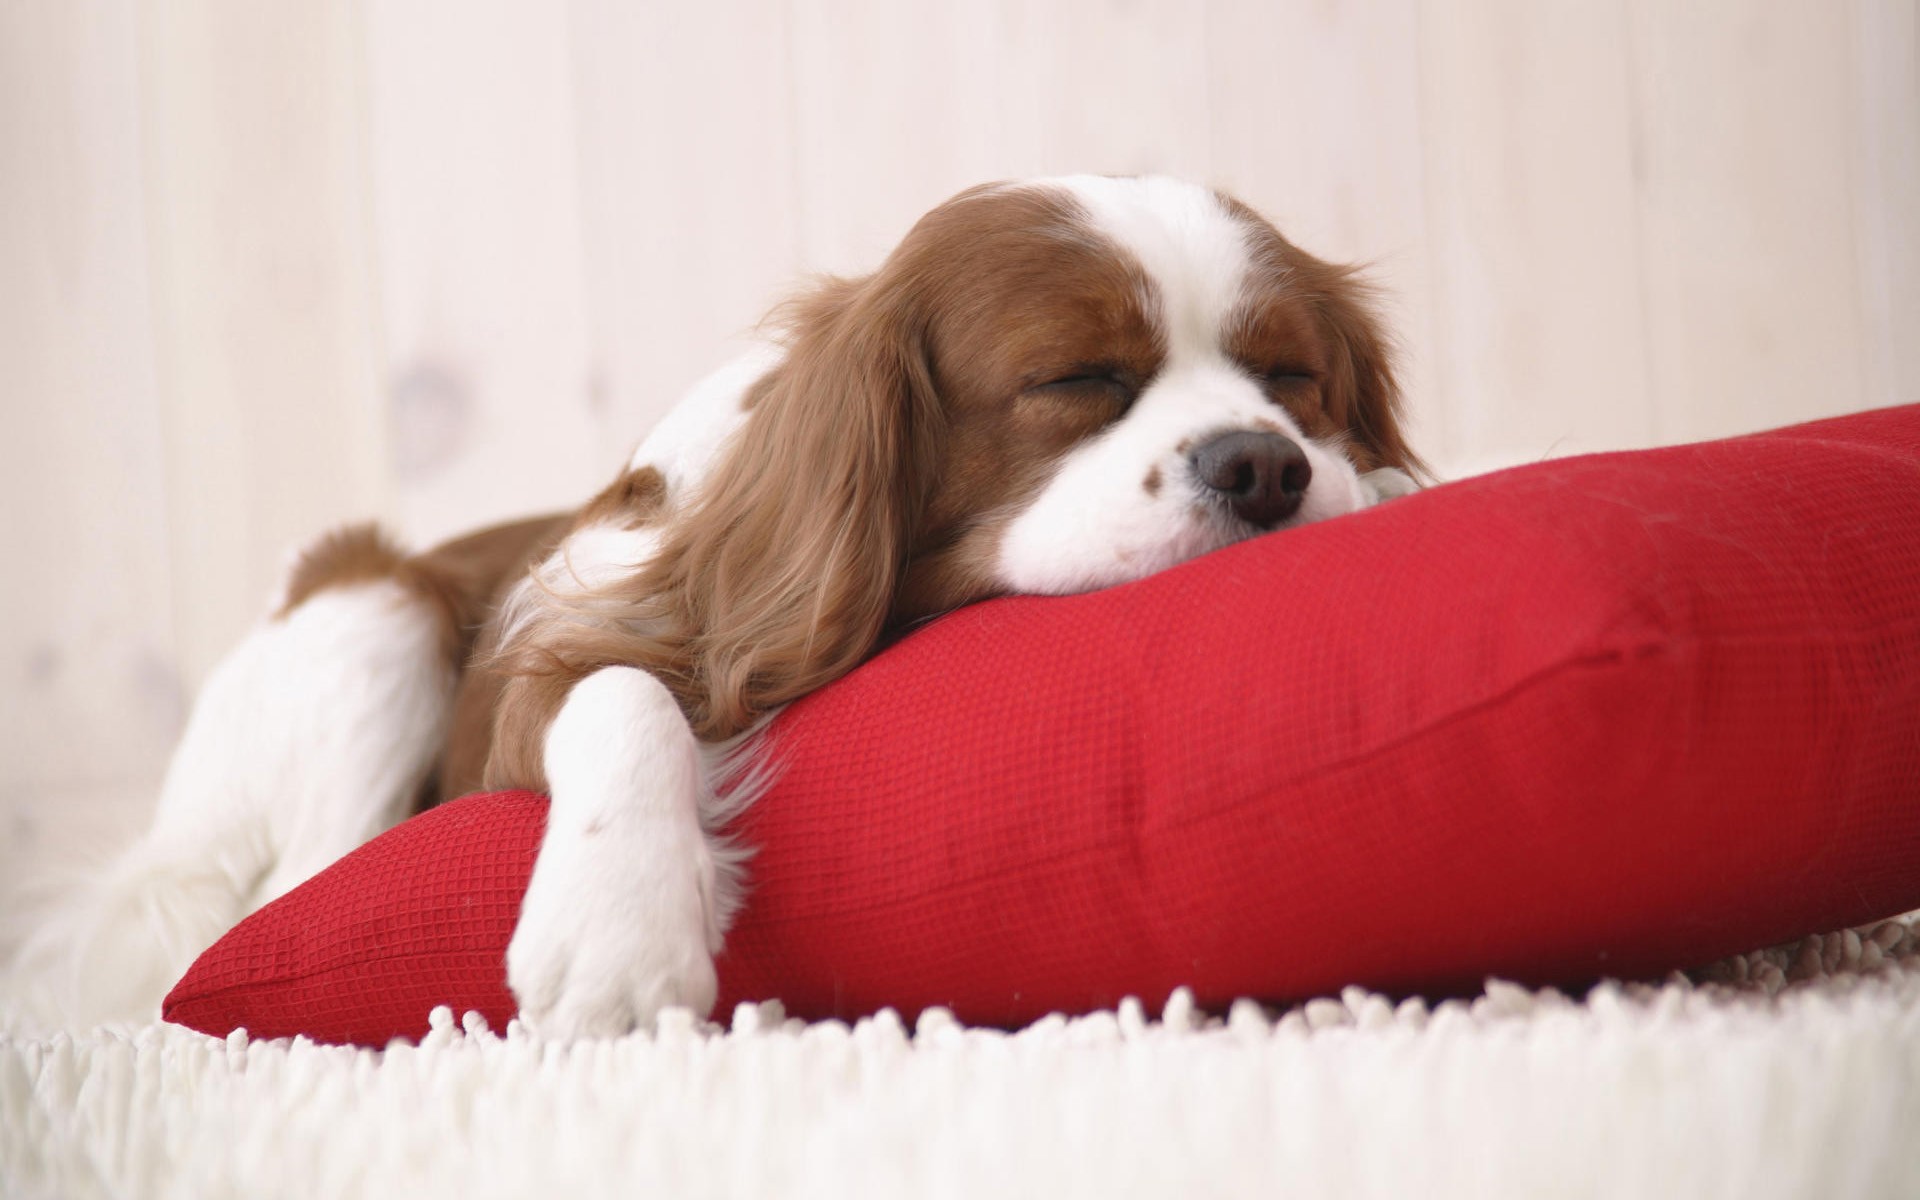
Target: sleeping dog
[{"x": 1048, "y": 387}]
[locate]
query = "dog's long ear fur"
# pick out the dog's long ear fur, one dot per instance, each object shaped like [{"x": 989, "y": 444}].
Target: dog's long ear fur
[
  {"x": 1362, "y": 396},
  {"x": 1362, "y": 393},
  {"x": 777, "y": 575},
  {"x": 787, "y": 565}
]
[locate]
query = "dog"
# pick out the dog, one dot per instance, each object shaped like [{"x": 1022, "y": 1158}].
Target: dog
[{"x": 1050, "y": 386}]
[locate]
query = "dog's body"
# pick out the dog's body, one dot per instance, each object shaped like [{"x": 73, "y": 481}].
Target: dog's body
[{"x": 1049, "y": 387}]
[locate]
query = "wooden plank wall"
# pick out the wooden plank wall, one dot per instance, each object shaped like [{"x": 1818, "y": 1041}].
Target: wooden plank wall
[{"x": 263, "y": 267}]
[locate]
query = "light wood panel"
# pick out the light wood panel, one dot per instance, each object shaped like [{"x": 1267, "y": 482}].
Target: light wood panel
[
  {"x": 1753, "y": 307},
  {"x": 1315, "y": 120},
  {"x": 1885, "y": 182},
  {"x": 887, "y": 120},
  {"x": 256, "y": 192},
  {"x": 89, "y": 685},
  {"x": 482, "y": 290},
  {"x": 1539, "y": 337},
  {"x": 900, "y": 106},
  {"x": 687, "y": 192},
  {"x": 1112, "y": 87},
  {"x": 267, "y": 267},
  {"x": 1752, "y": 304}
]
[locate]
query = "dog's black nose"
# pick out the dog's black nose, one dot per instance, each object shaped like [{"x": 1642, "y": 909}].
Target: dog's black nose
[{"x": 1262, "y": 476}]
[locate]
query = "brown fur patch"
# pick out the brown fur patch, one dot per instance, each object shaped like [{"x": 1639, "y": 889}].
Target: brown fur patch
[
  {"x": 469, "y": 744},
  {"x": 343, "y": 557},
  {"x": 359, "y": 554},
  {"x": 503, "y": 710},
  {"x": 1316, "y": 318},
  {"x": 476, "y": 571},
  {"x": 628, "y": 502},
  {"x": 1152, "y": 483},
  {"x": 523, "y": 711},
  {"x": 1022, "y": 296}
]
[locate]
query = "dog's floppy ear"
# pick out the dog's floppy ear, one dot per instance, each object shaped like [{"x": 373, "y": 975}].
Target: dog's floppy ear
[
  {"x": 1362, "y": 393},
  {"x": 788, "y": 563}
]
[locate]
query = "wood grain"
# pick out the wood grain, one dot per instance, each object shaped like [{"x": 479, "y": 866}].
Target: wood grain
[
  {"x": 255, "y": 188},
  {"x": 88, "y": 663},
  {"x": 476, "y": 207},
  {"x": 264, "y": 268}
]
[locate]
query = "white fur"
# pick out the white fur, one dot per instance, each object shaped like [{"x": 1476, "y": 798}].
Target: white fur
[
  {"x": 1387, "y": 483},
  {"x": 1095, "y": 523},
  {"x": 687, "y": 441},
  {"x": 312, "y": 736},
  {"x": 1191, "y": 248},
  {"x": 620, "y": 919}
]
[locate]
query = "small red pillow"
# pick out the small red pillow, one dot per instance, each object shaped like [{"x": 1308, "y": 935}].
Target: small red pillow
[{"x": 1607, "y": 715}]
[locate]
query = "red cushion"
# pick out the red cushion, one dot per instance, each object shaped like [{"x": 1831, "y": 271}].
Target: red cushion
[{"x": 1606, "y": 715}]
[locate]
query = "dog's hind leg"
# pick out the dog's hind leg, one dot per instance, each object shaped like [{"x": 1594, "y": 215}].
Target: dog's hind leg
[{"x": 314, "y": 734}]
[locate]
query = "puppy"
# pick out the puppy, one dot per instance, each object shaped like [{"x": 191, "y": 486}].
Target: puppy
[{"x": 1049, "y": 387}]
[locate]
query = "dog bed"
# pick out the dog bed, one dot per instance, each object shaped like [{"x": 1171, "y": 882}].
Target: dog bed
[{"x": 1604, "y": 716}]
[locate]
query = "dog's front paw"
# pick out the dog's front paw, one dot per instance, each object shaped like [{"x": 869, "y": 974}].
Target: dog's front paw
[
  {"x": 600, "y": 952},
  {"x": 1387, "y": 483}
]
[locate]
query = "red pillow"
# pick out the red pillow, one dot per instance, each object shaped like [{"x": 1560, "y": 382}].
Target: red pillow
[{"x": 1608, "y": 715}]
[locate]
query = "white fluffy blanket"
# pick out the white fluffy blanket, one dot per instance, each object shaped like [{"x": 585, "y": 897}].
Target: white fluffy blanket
[{"x": 1787, "y": 1072}]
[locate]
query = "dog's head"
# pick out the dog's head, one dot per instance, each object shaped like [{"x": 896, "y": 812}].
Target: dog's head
[{"x": 1048, "y": 387}]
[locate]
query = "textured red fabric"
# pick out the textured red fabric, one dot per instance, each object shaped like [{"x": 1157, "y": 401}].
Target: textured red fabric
[{"x": 1606, "y": 715}]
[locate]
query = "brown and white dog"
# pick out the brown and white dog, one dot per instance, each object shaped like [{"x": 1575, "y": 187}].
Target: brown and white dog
[{"x": 1049, "y": 387}]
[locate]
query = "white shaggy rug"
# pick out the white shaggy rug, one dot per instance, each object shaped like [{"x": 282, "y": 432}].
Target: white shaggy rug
[{"x": 1786, "y": 1072}]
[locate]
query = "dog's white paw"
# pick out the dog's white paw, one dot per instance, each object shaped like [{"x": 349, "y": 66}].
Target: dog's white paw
[
  {"x": 1387, "y": 483},
  {"x": 612, "y": 935}
]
